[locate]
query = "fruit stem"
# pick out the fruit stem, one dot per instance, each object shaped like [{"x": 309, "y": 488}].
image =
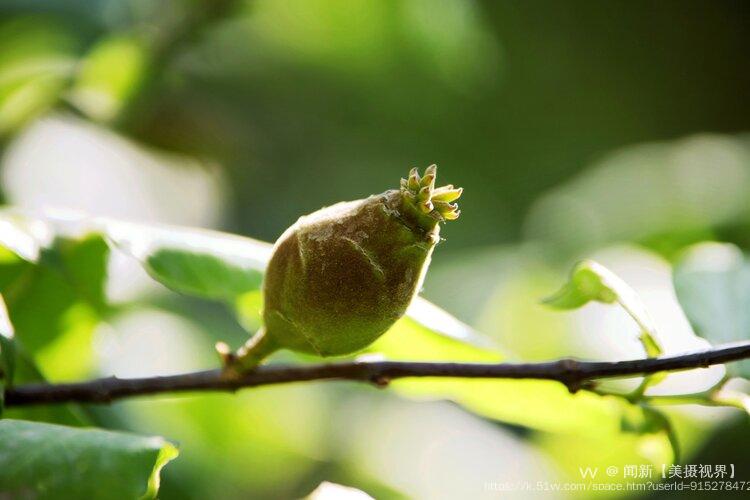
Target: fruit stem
[{"x": 250, "y": 355}]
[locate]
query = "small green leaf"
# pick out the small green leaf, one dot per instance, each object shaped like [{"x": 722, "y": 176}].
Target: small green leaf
[
  {"x": 586, "y": 283},
  {"x": 733, "y": 398},
  {"x": 712, "y": 282},
  {"x": 52, "y": 461},
  {"x": 590, "y": 281}
]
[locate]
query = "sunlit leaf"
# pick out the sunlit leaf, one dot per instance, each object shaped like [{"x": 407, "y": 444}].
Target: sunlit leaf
[
  {"x": 192, "y": 261},
  {"x": 223, "y": 436},
  {"x": 22, "y": 235},
  {"x": 35, "y": 61},
  {"x": 55, "y": 298},
  {"x": 712, "y": 283},
  {"x": 435, "y": 319},
  {"x": 211, "y": 264},
  {"x": 586, "y": 459},
  {"x": 332, "y": 491},
  {"x": 649, "y": 420},
  {"x": 248, "y": 308},
  {"x": 590, "y": 281},
  {"x": 409, "y": 339},
  {"x": 52, "y": 461},
  {"x": 227, "y": 266},
  {"x": 198, "y": 262},
  {"x": 733, "y": 398},
  {"x": 538, "y": 404},
  {"x": 201, "y": 274},
  {"x": 109, "y": 75},
  {"x": 647, "y": 443}
]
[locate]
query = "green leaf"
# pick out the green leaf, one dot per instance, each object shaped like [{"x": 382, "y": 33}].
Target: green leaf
[
  {"x": 712, "y": 282},
  {"x": 83, "y": 263},
  {"x": 328, "y": 490},
  {"x": 732, "y": 398},
  {"x": 57, "y": 462},
  {"x": 53, "y": 280},
  {"x": 586, "y": 283},
  {"x": 576, "y": 452},
  {"x": 56, "y": 304},
  {"x": 652, "y": 421},
  {"x": 228, "y": 267},
  {"x": 21, "y": 236},
  {"x": 201, "y": 274},
  {"x": 35, "y": 61},
  {"x": 592, "y": 429},
  {"x": 210, "y": 264},
  {"x": 436, "y": 320},
  {"x": 198, "y": 262},
  {"x": 35, "y": 266},
  {"x": 590, "y": 281},
  {"x": 647, "y": 438},
  {"x": 246, "y": 442},
  {"x": 109, "y": 76},
  {"x": 538, "y": 404}
]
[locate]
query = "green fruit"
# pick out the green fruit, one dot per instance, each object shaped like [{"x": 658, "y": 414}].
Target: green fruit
[{"x": 340, "y": 277}]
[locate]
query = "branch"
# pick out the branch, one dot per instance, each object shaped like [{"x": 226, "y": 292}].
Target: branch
[{"x": 573, "y": 373}]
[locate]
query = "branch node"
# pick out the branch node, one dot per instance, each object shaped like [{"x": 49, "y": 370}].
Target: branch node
[
  {"x": 589, "y": 385},
  {"x": 380, "y": 381},
  {"x": 573, "y": 386},
  {"x": 570, "y": 374}
]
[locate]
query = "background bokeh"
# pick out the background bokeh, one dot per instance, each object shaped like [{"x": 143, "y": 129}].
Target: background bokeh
[{"x": 611, "y": 130}]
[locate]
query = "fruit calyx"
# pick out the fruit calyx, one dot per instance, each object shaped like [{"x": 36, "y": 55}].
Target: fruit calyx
[{"x": 427, "y": 203}]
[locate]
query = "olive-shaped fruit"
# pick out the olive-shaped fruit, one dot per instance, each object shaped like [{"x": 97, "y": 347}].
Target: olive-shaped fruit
[{"x": 340, "y": 277}]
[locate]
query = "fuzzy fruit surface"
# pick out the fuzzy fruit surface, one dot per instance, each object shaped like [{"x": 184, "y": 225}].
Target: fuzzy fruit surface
[{"x": 341, "y": 276}]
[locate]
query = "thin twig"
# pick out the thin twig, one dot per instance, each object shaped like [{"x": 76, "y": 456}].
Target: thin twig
[{"x": 573, "y": 373}]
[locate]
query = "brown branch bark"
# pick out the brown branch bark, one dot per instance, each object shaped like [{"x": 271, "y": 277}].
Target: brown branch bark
[{"x": 573, "y": 373}]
